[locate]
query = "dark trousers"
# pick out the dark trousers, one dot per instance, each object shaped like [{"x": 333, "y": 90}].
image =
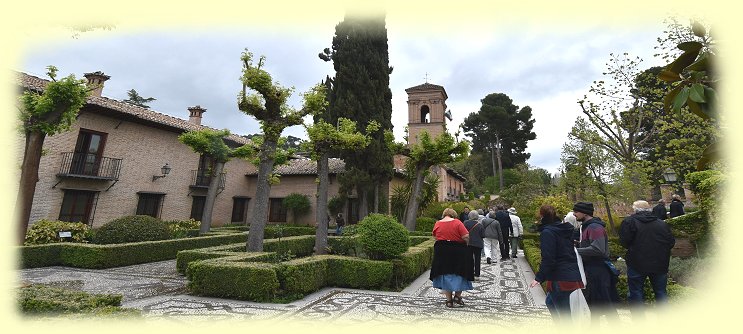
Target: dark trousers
[
  {"x": 636, "y": 282},
  {"x": 558, "y": 303},
  {"x": 476, "y": 256},
  {"x": 504, "y": 247},
  {"x": 598, "y": 290}
]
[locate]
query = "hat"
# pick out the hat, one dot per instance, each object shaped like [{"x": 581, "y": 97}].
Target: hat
[
  {"x": 512, "y": 211},
  {"x": 584, "y": 207}
]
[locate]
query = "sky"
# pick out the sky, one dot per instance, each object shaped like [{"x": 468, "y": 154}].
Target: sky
[{"x": 544, "y": 66}]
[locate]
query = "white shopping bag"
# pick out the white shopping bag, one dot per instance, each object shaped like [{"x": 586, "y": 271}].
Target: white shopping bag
[{"x": 579, "y": 310}]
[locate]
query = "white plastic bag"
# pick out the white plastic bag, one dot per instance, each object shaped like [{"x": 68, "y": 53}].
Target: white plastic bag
[{"x": 579, "y": 310}]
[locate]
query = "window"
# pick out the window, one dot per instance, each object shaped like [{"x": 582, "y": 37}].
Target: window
[
  {"x": 425, "y": 114},
  {"x": 352, "y": 216},
  {"x": 78, "y": 206},
  {"x": 203, "y": 174},
  {"x": 149, "y": 204},
  {"x": 88, "y": 152},
  {"x": 276, "y": 210},
  {"x": 197, "y": 207},
  {"x": 239, "y": 209}
]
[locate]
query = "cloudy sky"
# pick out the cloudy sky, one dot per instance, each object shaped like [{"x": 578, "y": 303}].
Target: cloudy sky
[{"x": 546, "y": 67}]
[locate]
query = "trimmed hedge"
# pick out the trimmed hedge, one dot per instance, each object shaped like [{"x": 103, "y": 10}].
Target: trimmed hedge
[
  {"x": 233, "y": 279},
  {"x": 295, "y": 278},
  {"x": 116, "y": 255},
  {"x": 382, "y": 237},
  {"x": 45, "y": 300}
]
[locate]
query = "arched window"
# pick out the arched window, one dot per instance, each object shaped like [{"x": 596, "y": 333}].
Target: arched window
[{"x": 425, "y": 114}]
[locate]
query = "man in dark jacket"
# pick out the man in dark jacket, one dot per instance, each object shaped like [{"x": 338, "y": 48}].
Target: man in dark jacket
[
  {"x": 648, "y": 241},
  {"x": 594, "y": 250},
  {"x": 504, "y": 219},
  {"x": 465, "y": 214},
  {"x": 660, "y": 210},
  {"x": 676, "y": 207}
]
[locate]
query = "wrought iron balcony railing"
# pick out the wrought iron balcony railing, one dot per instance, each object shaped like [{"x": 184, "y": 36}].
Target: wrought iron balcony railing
[
  {"x": 201, "y": 179},
  {"x": 90, "y": 166}
]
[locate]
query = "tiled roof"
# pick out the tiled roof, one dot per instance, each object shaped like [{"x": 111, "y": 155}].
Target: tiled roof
[
  {"x": 306, "y": 167},
  {"x": 37, "y": 84},
  {"x": 426, "y": 86}
]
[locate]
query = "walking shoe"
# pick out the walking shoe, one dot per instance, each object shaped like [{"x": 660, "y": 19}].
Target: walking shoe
[{"x": 488, "y": 260}]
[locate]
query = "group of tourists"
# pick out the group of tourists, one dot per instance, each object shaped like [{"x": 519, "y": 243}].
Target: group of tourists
[
  {"x": 461, "y": 242},
  {"x": 574, "y": 251}
]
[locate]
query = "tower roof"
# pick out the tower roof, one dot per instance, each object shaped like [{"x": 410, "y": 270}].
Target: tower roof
[{"x": 426, "y": 87}]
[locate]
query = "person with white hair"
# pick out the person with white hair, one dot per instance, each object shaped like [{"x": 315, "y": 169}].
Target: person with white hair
[
  {"x": 648, "y": 241},
  {"x": 570, "y": 219},
  {"x": 518, "y": 231},
  {"x": 677, "y": 207}
]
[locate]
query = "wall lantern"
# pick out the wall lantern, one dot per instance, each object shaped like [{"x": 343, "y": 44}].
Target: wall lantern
[{"x": 165, "y": 170}]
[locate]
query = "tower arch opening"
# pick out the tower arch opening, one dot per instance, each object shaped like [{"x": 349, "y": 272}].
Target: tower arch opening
[{"x": 425, "y": 114}]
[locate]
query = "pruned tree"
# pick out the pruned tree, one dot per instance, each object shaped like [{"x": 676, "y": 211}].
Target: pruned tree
[
  {"x": 326, "y": 139},
  {"x": 424, "y": 154},
  {"x": 211, "y": 143},
  {"x": 268, "y": 104},
  {"x": 138, "y": 100},
  {"x": 49, "y": 112}
]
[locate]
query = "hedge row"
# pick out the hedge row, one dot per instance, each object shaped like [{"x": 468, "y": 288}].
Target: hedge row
[
  {"x": 45, "y": 300},
  {"x": 250, "y": 276},
  {"x": 116, "y": 255},
  {"x": 270, "y": 231},
  {"x": 273, "y": 249}
]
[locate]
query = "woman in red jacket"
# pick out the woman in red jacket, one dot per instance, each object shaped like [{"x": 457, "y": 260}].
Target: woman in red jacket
[{"x": 451, "y": 270}]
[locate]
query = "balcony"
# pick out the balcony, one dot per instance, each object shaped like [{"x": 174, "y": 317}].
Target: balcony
[
  {"x": 89, "y": 166},
  {"x": 201, "y": 179}
]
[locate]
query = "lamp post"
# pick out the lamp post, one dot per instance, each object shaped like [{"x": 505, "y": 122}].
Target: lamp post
[
  {"x": 666, "y": 189},
  {"x": 165, "y": 170}
]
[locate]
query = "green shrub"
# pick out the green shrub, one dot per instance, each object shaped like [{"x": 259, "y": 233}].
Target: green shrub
[
  {"x": 335, "y": 205},
  {"x": 44, "y": 300},
  {"x": 412, "y": 263},
  {"x": 301, "y": 276},
  {"x": 298, "y": 204},
  {"x": 683, "y": 271},
  {"x": 382, "y": 237},
  {"x": 132, "y": 229},
  {"x": 183, "y": 228},
  {"x": 616, "y": 249},
  {"x": 46, "y": 232},
  {"x": 424, "y": 224},
  {"x": 280, "y": 231}
]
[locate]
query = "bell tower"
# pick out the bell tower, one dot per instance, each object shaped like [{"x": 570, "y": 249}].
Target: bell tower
[{"x": 426, "y": 111}]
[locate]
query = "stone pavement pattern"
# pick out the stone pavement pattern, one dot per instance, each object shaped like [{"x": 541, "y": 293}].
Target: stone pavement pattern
[{"x": 500, "y": 297}]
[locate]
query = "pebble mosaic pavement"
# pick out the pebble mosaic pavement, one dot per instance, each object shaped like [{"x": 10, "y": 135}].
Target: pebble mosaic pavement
[{"x": 501, "y": 297}]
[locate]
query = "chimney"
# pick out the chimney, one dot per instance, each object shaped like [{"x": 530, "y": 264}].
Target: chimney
[
  {"x": 195, "y": 114},
  {"x": 95, "y": 81}
]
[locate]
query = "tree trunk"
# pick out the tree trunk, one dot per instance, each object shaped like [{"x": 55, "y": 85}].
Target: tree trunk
[
  {"x": 363, "y": 202},
  {"x": 500, "y": 165},
  {"x": 376, "y": 197},
  {"x": 492, "y": 159},
  {"x": 321, "y": 216},
  {"x": 259, "y": 217},
  {"x": 385, "y": 195},
  {"x": 411, "y": 211},
  {"x": 211, "y": 196},
  {"x": 608, "y": 213},
  {"x": 29, "y": 178}
]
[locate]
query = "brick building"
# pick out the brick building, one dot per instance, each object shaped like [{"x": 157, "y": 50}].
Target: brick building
[{"x": 111, "y": 163}]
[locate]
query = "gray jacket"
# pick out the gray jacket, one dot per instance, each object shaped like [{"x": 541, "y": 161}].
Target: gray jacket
[
  {"x": 492, "y": 229},
  {"x": 475, "y": 229}
]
